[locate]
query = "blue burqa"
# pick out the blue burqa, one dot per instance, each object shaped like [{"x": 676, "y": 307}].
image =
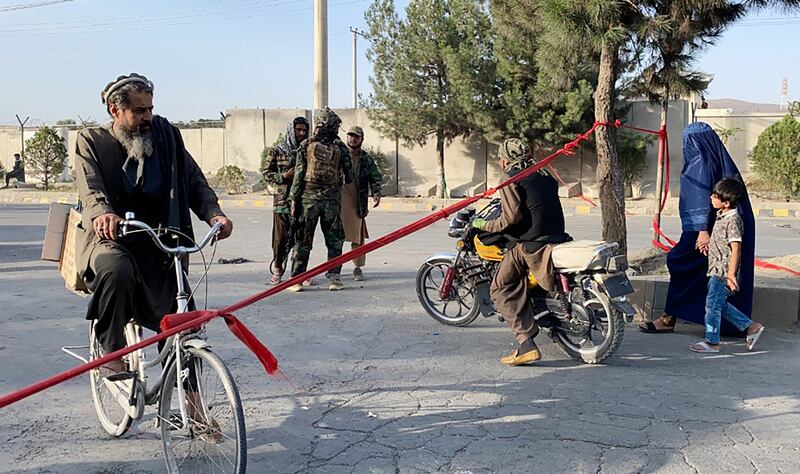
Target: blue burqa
[{"x": 705, "y": 161}]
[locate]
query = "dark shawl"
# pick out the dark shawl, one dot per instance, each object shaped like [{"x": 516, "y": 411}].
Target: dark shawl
[
  {"x": 705, "y": 161},
  {"x": 99, "y": 160}
]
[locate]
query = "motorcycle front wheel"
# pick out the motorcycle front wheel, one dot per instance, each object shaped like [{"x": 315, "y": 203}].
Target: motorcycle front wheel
[{"x": 459, "y": 307}]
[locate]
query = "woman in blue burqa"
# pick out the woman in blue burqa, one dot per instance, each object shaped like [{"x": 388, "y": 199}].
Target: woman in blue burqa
[{"x": 705, "y": 161}]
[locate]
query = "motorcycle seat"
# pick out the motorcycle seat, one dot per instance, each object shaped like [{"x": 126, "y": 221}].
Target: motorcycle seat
[{"x": 577, "y": 255}]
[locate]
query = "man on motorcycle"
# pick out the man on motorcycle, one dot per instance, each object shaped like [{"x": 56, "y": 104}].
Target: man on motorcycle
[{"x": 532, "y": 219}]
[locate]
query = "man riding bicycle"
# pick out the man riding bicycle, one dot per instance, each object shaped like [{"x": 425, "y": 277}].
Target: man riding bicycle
[{"x": 137, "y": 163}]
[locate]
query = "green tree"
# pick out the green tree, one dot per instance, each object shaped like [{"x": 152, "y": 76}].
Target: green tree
[
  {"x": 66, "y": 122},
  {"x": 414, "y": 63},
  {"x": 232, "y": 178},
  {"x": 725, "y": 134},
  {"x": 45, "y": 155},
  {"x": 776, "y": 156},
  {"x": 633, "y": 154},
  {"x": 517, "y": 95}
]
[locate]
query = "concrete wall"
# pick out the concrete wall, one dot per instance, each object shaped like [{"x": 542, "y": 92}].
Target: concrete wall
[
  {"x": 212, "y": 150},
  {"x": 9, "y": 144},
  {"x": 470, "y": 164},
  {"x": 244, "y": 137}
]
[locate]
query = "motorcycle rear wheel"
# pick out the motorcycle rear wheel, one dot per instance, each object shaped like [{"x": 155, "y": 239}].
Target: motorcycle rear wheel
[
  {"x": 460, "y": 308},
  {"x": 610, "y": 325}
]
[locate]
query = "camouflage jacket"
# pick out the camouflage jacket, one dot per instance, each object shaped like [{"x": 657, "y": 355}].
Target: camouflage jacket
[
  {"x": 300, "y": 192},
  {"x": 281, "y": 159},
  {"x": 368, "y": 181}
]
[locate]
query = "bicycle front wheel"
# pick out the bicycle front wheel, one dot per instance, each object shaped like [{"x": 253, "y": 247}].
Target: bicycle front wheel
[{"x": 215, "y": 438}]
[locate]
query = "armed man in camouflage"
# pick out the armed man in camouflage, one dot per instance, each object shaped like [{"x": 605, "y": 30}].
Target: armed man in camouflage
[
  {"x": 280, "y": 173},
  {"x": 316, "y": 193}
]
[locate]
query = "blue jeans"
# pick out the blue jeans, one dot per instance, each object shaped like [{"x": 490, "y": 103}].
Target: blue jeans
[{"x": 717, "y": 307}]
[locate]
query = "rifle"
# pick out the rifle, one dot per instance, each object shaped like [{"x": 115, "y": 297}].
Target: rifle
[{"x": 294, "y": 221}]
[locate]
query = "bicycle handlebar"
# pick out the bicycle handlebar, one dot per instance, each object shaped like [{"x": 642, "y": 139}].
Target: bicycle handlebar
[{"x": 178, "y": 250}]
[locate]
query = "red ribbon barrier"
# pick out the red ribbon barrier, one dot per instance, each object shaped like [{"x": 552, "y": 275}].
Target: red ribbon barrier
[
  {"x": 176, "y": 323},
  {"x": 238, "y": 329},
  {"x": 772, "y": 266}
]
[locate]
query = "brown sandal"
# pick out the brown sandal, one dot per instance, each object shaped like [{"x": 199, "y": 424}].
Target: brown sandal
[{"x": 666, "y": 320}]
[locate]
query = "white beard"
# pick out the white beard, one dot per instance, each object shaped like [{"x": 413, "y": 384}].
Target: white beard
[{"x": 138, "y": 144}]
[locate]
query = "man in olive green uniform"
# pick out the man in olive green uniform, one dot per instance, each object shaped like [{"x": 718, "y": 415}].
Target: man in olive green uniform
[
  {"x": 280, "y": 173},
  {"x": 137, "y": 163},
  {"x": 315, "y": 195},
  {"x": 532, "y": 219},
  {"x": 355, "y": 196}
]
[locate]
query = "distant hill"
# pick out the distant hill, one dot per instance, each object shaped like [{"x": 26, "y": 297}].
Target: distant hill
[{"x": 741, "y": 106}]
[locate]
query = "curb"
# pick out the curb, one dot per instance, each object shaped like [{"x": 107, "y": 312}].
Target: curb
[
  {"x": 772, "y": 305},
  {"x": 571, "y": 206}
]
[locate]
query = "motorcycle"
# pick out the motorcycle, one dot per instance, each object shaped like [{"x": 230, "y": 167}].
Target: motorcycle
[{"x": 586, "y": 314}]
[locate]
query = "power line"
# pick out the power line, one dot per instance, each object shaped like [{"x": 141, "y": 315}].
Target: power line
[
  {"x": 25, "y": 6},
  {"x": 137, "y": 21},
  {"x": 139, "y": 24}
]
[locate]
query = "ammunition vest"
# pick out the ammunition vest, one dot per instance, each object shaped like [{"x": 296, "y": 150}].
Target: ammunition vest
[{"x": 323, "y": 165}]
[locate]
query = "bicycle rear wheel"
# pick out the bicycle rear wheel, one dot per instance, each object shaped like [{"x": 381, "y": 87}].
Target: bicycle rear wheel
[
  {"x": 215, "y": 440},
  {"x": 111, "y": 399}
]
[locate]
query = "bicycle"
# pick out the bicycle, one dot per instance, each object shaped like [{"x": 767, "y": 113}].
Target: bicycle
[{"x": 199, "y": 433}]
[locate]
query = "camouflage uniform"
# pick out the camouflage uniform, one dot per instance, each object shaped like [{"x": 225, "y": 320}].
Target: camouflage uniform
[
  {"x": 282, "y": 159},
  {"x": 316, "y": 191}
]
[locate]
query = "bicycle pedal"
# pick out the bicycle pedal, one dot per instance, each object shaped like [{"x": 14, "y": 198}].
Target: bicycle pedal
[{"x": 119, "y": 376}]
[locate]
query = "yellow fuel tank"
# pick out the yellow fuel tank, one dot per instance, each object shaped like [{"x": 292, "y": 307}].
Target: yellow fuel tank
[{"x": 494, "y": 253}]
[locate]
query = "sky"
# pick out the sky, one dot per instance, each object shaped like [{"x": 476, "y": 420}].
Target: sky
[{"x": 207, "y": 56}]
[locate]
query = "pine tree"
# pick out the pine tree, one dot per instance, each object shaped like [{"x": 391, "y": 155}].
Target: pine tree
[
  {"x": 518, "y": 94},
  {"x": 415, "y": 61},
  {"x": 46, "y": 155}
]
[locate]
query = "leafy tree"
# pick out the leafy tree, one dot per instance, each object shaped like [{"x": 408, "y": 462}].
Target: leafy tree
[
  {"x": 776, "y": 156},
  {"x": 66, "y": 122},
  {"x": 232, "y": 178},
  {"x": 725, "y": 134},
  {"x": 633, "y": 154},
  {"x": 415, "y": 62},
  {"x": 45, "y": 155},
  {"x": 516, "y": 95}
]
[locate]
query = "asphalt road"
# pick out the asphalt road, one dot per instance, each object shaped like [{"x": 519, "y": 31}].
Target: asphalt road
[{"x": 378, "y": 386}]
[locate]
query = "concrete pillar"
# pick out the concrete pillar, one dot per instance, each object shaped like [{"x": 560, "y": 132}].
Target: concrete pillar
[
  {"x": 320, "y": 54},
  {"x": 355, "y": 68}
]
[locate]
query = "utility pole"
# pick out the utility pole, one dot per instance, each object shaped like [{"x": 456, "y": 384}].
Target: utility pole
[
  {"x": 22, "y": 135},
  {"x": 320, "y": 54},
  {"x": 356, "y": 34}
]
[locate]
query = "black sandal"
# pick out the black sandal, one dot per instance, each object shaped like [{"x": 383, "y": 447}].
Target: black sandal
[{"x": 651, "y": 328}]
